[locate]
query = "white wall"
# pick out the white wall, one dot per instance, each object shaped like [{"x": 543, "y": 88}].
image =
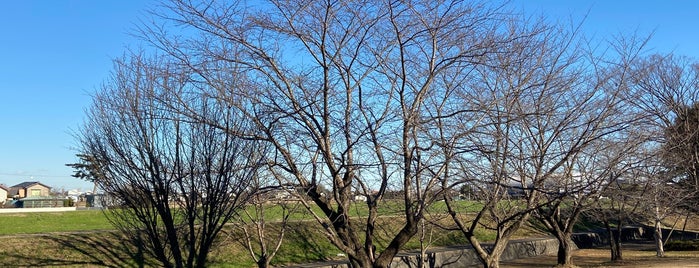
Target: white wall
[{"x": 3, "y": 196}]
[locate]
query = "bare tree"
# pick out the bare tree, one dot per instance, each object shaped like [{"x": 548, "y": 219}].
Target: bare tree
[
  {"x": 587, "y": 173},
  {"x": 582, "y": 186},
  {"x": 175, "y": 183},
  {"x": 345, "y": 92},
  {"x": 665, "y": 90},
  {"x": 540, "y": 105},
  {"x": 664, "y": 198},
  {"x": 263, "y": 236},
  {"x": 622, "y": 204}
]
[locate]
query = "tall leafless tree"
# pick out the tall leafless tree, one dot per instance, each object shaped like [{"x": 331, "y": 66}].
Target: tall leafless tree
[
  {"x": 345, "y": 92},
  {"x": 540, "y": 104},
  {"x": 175, "y": 183},
  {"x": 665, "y": 90},
  {"x": 589, "y": 171}
]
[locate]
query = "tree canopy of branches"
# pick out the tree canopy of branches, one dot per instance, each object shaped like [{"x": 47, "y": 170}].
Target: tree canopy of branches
[
  {"x": 88, "y": 169},
  {"x": 666, "y": 90},
  {"x": 398, "y": 102},
  {"x": 540, "y": 104},
  {"x": 586, "y": 179},
  {"x": 345, "y": 92},
  {"x": 174, "y": 182}
]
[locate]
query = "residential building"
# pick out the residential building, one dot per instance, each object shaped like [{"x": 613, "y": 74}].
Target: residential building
[{"x": 29, "y": 189}]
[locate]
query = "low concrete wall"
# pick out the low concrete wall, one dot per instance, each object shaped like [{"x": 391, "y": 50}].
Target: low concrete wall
[
  {"x": 461, "y": 256},
  {"x": 465, "y": 256},
  {"x": 28, "y": 210},
  {"x": 600, "y": 238},
  {"x": 588, "y": 240},
  {"x": 678, "y": 234}
]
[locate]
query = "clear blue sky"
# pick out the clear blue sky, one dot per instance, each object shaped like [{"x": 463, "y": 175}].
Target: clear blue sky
[{"x": 55, "y": 53}]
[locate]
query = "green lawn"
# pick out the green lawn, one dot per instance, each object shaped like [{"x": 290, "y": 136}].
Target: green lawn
[
  {"x": 88, "y": 220},
  {"x": 46, "y": 222},
  {"x": 304, "y": 242}
]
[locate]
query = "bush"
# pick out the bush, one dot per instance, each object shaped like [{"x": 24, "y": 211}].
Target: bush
[{"x": 682, "y": 245}]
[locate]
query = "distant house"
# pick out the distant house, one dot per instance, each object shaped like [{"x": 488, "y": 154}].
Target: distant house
[
  {"x": 29, "y": 189},
  {"x": 4, "y": 191},
  {"x": 360, "y": 198}
]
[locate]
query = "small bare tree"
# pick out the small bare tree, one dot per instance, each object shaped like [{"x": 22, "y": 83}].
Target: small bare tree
[
  {"x": 664, "y": 198},
  {"x": 263, "y": 232},
  {"x": 621, "y": 205},
  {"x": 174, "y": 183},
  {"x": 582, "y": 185}
]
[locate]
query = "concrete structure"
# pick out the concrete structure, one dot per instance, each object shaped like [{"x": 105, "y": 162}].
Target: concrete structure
[
  {"x": 461, "y": 256},
  {"x": 96, "y": 201},
  {"x": 27, "y": 210},
  {"x": 40, "y": 202},
  {"x": 29, "y": 189}
]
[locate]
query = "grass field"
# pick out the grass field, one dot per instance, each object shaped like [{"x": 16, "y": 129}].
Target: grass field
[
  {"x": 55, "y": 239},
  {"x": 85, "y": 238},
  {"x": 89, "y": 220},
  {"x": 46, "y": 222},
  {"x": 82, "y": 238}
]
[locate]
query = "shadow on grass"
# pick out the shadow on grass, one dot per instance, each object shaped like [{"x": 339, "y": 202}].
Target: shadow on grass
[
  {"x": 303, "y": 244},
  {"x": 79, "y": 249}
]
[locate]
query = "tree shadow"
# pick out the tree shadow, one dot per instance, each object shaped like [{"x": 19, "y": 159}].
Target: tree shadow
[
  {"x": 106, "y": 249},
  {"x": 311, "y": 250}
]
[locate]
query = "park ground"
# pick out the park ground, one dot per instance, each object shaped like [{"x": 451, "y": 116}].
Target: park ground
[
  {"x": 635, "y": 255},
  {"x": 83, "y": 239}
]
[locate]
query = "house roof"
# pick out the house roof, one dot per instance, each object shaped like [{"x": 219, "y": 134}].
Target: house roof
[
  {"x": 4, "y": 188},
  {"x": 28, "y": 184}
]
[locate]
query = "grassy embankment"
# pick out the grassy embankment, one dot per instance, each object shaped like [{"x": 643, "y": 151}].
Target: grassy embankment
[{"x": 60, "y": 238}]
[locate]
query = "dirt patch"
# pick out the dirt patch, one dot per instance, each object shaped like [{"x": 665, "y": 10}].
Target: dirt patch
[{"x": 635, "y": 255}]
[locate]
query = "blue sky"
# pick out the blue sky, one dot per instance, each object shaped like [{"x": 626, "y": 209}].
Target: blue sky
[{"x": 55, "y": 53}]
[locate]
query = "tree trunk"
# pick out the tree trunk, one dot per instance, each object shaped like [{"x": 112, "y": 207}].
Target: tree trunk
[
  {"x": 493, "y": 259},
  {"x": 684, "y": 226},
  {"x": 262, "y": 262},
  {"x": 658, "y": 235},
  {"x": 565, "y": 251},
  {"x": 615, "y": 249},
  {"x": 492, "y": 262},
  {"x": 360, "y": 262},
  {"x": 614, "y": 242}
]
